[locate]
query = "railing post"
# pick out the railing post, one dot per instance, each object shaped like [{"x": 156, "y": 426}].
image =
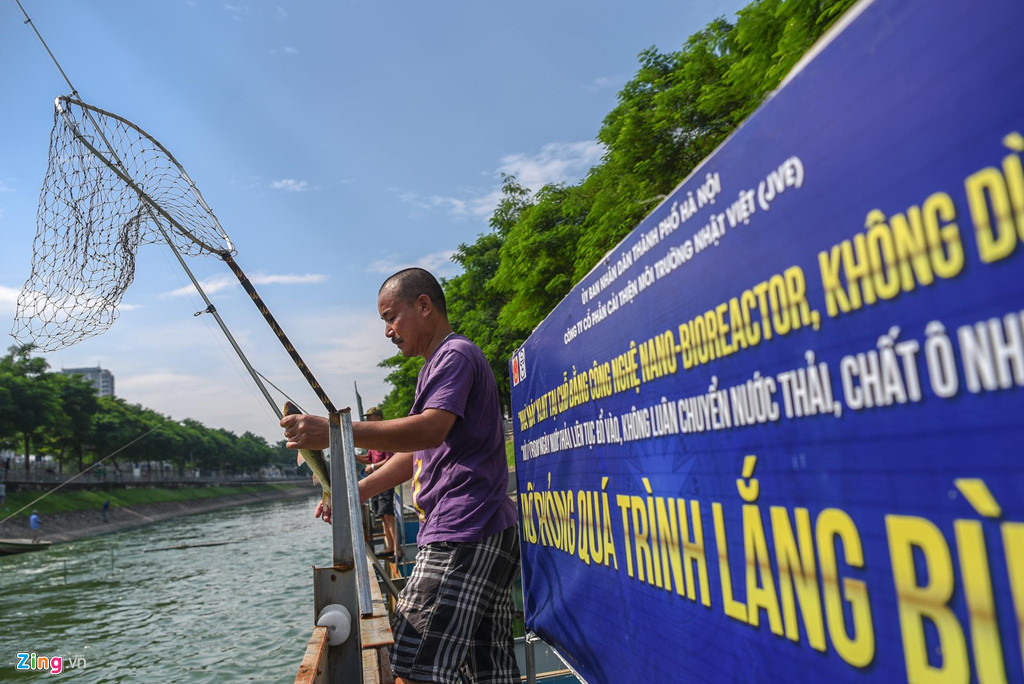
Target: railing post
[
  {"x": 531, "y": 659},
  {"x": 347, "y": 581},
  {"x": 348, "y": 500}
]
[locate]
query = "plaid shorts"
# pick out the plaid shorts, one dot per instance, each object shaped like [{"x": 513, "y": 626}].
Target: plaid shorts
[{"x": 455, "y": 613}]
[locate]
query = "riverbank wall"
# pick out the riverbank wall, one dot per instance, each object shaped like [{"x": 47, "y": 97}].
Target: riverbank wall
[{"x": 65, "y": 527}]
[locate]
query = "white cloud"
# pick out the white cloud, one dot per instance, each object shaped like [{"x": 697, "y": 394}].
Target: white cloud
[
  {"x": 358, "y": 342},
  {"x": 4, "y": 188},
  {"x": 438, "y": 263},
  {"x": 479, "y": 206},
  {"x": 605, "y": 83},
  {"x": 290, "y": 185},
  {"x": 249, "y": 182},
  {"x": 8, "y": 299},
  {"x": 555, "y": 163},
  {"x": 223, "y": 282},
  {"x": 56, "y": 322},
  {"x": 244, "y": 9},
  {"x": 284, "y": 51},
  {"x": 163, "y": 382},
  {"x": 237, "y": 12},
  {"x": 202, "y": 397},
  {"x": 61, "y": 307}
]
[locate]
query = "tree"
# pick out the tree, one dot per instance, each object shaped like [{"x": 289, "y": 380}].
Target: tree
[
  {"x": 7, "y": 430},
  {"x": 79, "y": 404},
  {"x": 117, "y": 431},
  {"x": 56, "y": 413},
  {"x": 474, "y": 305},
  {"x": 670, "y": 116},
  {"x": 162, "y": 441},
  {"x": 226, "y": 445},
  {"x": 34, "y": 400},
  {"x": 201, "y": 447},
  {"x": 532, "y": 271},
  {"x": 282, "y": 456},
  {"x": 403, "y": 384},
  {"x": 254, "y": 451}
]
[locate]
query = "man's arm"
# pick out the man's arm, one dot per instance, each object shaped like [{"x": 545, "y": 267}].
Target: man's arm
[
  {"x": 412, "y": 433},
  {"x": 386, "y": 475},
  {"x": 389, "y": 475}
]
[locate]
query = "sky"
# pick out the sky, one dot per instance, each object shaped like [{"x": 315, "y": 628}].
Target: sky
[{"x": 336, "y": 142}]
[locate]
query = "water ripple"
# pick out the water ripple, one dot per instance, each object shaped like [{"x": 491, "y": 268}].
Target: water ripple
[{"x": 241, "y": 611}]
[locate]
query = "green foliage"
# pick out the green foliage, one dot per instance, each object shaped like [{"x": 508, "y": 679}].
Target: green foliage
[
  {"x": 51, "y": 414},
  {"x": 34, "y": 399},
  {"x": 403, "y": 381},
  {"x": 474, "y": 305},
  {"x": 79, "y": 405},
  {"x": 533, "y": 271}
]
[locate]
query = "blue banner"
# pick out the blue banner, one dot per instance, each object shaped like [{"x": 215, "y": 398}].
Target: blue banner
[{"x": 776, "y": 434}]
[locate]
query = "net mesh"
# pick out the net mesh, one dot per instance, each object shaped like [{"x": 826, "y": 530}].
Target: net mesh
[{"x": 109, "y": 188}]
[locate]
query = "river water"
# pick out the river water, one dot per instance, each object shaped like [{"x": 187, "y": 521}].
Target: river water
[{"x": 120, "y": 610}]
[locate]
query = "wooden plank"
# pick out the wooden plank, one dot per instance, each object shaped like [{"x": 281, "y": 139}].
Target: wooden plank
[
  {"x": 375, "y": 636},
  {"x": 371, "y": 666},
  {"x": 313, "y": 669},
  {"x": 386, "y": 675},
  {"x": 375, "y": 630}
]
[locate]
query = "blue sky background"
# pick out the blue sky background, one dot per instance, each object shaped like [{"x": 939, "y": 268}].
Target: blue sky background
[{"x": 336, "y": 142}]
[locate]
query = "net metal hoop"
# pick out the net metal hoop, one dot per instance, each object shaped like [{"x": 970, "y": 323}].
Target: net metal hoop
[
  {"x": 61, "y": 104},
  {"x": 109, "y": 188}
]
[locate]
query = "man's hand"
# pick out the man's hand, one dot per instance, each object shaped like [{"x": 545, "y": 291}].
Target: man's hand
[
  {"x": 306, "y": 432},
  {"x": 323, "y": 511}
]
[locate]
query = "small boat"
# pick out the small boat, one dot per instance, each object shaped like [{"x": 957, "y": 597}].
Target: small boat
[{"x": 12, "y": 546}]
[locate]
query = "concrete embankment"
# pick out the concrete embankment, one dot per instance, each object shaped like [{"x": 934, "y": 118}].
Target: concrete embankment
[{"x": 64, "y": 527}]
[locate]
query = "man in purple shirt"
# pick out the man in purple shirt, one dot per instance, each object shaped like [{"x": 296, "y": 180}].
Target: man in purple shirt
[{"x": 455, "y": 613}]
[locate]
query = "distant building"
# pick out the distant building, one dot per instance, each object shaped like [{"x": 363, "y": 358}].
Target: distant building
[{"x": 101, "y": 379}]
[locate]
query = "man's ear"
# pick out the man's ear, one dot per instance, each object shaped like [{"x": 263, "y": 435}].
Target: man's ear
[{"x": 424, "y": 304}]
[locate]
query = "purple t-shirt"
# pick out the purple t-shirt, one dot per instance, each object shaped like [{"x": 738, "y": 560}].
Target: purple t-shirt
[{"x": 459, "y": 488}]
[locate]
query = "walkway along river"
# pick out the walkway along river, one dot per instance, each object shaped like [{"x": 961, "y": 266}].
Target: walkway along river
[{"x": 128, "y": 607}]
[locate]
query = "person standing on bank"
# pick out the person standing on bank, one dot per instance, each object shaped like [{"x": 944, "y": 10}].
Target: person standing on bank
[
  {"x": 382, "y": 505},
  {"x": 455, "y": 613},
  {"x": 33, "y": 523}
]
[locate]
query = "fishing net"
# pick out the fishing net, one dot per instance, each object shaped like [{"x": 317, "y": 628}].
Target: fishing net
[{"x": 109, "y": 188}]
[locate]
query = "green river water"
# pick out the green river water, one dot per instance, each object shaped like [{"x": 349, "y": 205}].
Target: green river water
[{"x": 117, "y": 610}]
